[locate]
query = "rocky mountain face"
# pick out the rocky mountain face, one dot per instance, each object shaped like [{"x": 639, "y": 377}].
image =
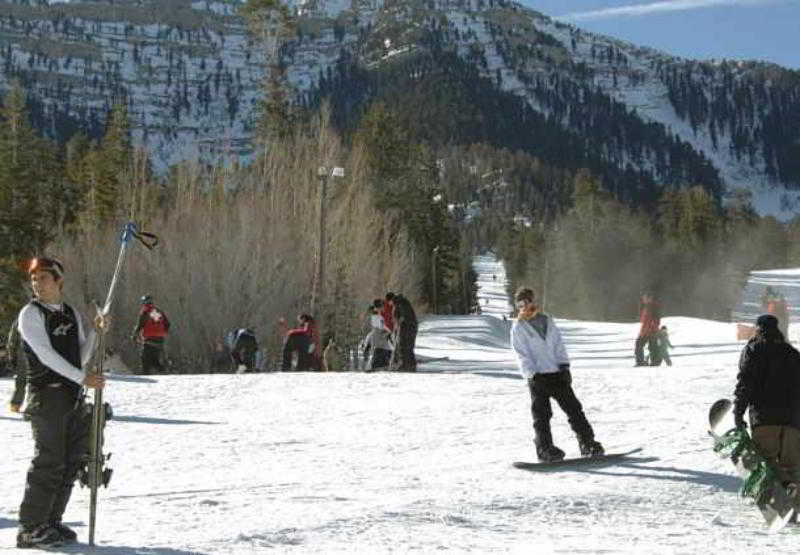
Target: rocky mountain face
[{"x": 192, "y": 79}]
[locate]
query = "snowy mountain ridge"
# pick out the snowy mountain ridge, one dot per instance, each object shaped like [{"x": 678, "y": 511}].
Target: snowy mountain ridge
[{"x": 192, "y": 77}]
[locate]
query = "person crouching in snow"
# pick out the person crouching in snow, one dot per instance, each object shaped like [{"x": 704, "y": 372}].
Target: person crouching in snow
[{"x": 544, "y": 362}]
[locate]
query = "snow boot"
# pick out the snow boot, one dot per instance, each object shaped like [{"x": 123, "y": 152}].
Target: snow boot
[
  {"x": 40, "y": 537},
  {"x": 591, "y": 448},
  {"x": 67, "y": 534},
  {"x": 549, "y": 454}
]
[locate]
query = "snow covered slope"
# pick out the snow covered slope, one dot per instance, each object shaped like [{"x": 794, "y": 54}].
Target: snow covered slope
[{"x": 377, "y": 463}]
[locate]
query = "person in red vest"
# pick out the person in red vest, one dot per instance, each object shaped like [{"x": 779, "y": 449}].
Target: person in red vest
[
  {"x": 650, "y": 319},
  {"x": 151, "y": 333}
]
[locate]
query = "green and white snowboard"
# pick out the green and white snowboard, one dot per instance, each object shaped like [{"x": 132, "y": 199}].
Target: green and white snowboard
[{"x": 762, "y": 481}]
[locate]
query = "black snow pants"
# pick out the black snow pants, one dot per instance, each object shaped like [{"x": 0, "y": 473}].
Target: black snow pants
[
  {"x": 296, "y": 343},
  {"x": 61, "y": 428},
  {"x": 152, "y": 356},
  {"x": 405, "y": 361},
  {"x": 558, "y": 386},
  {"x": 380, "y": 359}
]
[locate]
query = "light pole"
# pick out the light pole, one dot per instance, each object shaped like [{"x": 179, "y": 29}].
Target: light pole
[
  {"x": 319, "y": 283},
  {"x": 435, "y": 297}
]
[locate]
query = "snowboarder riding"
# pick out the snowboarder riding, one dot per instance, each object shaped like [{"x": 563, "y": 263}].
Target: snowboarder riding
[{"x": 543, "y": 361}]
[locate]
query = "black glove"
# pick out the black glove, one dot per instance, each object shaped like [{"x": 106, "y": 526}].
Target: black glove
[{"x": 738, "y": 421}]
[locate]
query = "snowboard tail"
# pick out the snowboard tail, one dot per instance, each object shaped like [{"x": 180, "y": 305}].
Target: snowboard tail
[{"x": 576, "y": 461}]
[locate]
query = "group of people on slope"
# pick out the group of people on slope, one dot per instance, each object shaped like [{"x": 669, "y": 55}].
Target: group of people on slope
[
  {"x": 652, "y": 334},
  {"x": 389, "y": 343},
  {"x": 56, "y": 343},
  {"x": 150, "y": 333}
]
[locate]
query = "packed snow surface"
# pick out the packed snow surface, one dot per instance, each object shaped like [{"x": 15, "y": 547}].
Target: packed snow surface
[{"x": 390, "y": 462}]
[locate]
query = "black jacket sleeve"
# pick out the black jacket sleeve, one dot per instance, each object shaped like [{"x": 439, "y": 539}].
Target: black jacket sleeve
[{"x": 746, "y": 382}]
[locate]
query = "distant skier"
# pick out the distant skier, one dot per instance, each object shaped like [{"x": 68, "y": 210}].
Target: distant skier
[
  {"x": 406, "y": 321},
  {"x": 768, "y": 387},
  {"x": 57, "y": 344},
  {"x": 244, "y": 346},
  {"x": 543, "y": 361},
  {"x": 663, "y": 346},
  {"x": 650, "y": 318},
  {"x": 151, "y": 332}
]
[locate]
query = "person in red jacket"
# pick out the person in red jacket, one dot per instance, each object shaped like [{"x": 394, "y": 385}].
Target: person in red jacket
[
  {"x": 387, "y": 312},
  {"x": 303, "y": 340},
  {"x": 151, "y": 333},
  {"x": 650, "y": 319}
]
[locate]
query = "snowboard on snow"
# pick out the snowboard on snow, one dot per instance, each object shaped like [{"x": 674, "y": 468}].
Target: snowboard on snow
[
  {"x": 776, "y": 504},
  {"x": 577, "y": 461}
]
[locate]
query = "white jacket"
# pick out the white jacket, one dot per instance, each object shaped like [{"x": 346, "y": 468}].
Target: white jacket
[{"x": 534, "y": 354}]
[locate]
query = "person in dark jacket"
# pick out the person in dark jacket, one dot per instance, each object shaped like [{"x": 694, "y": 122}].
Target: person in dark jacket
[
  {"x": 768, "y": 388},
  {"x": 405, "y": 321},
  {"x": 151, "y": 332},
  {"x": 57, "y": 344},
  {"x": 244, "y": 347}
]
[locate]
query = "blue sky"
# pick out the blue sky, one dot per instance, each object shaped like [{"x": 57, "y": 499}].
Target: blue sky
[{"x": 735, "y": 29}]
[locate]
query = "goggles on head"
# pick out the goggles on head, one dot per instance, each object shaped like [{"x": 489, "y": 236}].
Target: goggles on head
[{"x": 47, "y": 264}]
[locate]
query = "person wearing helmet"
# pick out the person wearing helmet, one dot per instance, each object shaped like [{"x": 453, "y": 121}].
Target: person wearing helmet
[
  {"x": 151, "y": 333},
  {"x": 57, "y": 344}
]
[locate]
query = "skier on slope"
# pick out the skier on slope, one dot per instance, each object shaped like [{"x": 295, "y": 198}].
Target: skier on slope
[
  {"x": 768, "y": 387},
  {"x": 151, "y": 332},
  {"x": 57, "y": 345},
  {"x": 544, "y": 363}
]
